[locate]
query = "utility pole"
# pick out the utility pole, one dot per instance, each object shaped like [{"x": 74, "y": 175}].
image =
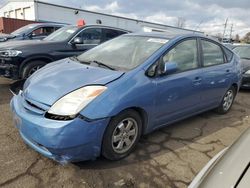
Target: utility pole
[
  {"x": 225, "y": 27},
  {"x": 198, "y": 26},
  {"x": 231, "y": 31},
  {"x": 181, "y": 22}
]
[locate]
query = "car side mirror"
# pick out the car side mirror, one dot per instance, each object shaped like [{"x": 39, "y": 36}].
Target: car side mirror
[
  {"x": 77, "y": 40},
  {"x": 168, "y": 68}
]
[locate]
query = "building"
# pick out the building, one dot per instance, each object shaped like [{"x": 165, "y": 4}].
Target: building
[
  {"x": 36, "y": 10},
  {"x": 8, "y": 25}
]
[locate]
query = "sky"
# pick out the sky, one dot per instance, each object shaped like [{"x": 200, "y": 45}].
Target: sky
[{"x": 204, "y": 15}]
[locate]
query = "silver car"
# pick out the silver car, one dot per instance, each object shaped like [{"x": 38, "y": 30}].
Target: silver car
[{"x": 228, "y": 169}]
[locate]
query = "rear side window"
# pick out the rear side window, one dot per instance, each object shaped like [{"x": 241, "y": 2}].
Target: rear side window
[
  {"x": 184, "y": 55},
  {"x": 228, "y": 54},
  {"x": 110, "y": 33},
  {"x": 212, "y": 54}
]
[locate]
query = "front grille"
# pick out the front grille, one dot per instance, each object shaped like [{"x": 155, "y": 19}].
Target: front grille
[
  {"x": 57, "y": 117},
  {"x": 2, "y": 61},
  {"x": 3, "y": 53},
  {"x": 34, "y": 106}
]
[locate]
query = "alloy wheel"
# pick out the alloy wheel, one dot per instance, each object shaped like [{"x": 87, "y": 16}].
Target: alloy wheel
[
  {"x": 228, "y": 100},
  {"x": 124, "y": 135},
  {"x": 34, "y": 69}
]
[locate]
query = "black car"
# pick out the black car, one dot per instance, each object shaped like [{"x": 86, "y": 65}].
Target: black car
[
  {"x": 31, "y": 32},
  {"x": 19, "y": 59},
  {"x": 244, "y": 52}
]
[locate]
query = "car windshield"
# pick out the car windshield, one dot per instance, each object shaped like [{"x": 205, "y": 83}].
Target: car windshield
[
  {"x": 125, "y": 52},
  {"x": 62, "y": 34},
  {"x": 242, "y": 51},
  {"x": 23, "y": 30}
]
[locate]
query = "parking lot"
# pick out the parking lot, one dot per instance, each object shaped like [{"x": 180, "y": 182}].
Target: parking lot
[{"x": 169, "y": 157}]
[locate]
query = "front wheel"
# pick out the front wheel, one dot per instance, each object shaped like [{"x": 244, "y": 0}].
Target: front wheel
[
  {"x": 32, "y": 67},
  {"x": 121, "y": 135},
  {"x": 227, "y": 101}
]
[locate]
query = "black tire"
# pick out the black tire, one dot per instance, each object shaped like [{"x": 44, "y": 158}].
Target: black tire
[
  {"x": 221, "y": 109},
  {"x": 108, "y": 150},
  {"x": 31, "y": 67}
]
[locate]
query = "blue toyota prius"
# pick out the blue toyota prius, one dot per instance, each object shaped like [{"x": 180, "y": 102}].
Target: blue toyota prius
[{"x": 101, "y": 102}]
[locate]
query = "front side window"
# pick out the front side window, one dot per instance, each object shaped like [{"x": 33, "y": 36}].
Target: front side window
[
  {"x": 110, "y": 33},
  {"x": 42, "y": 31},
  {"x": 184, "y": 55},
  {"x": 48, "y": 30},
  {"x": 212, "y": 54},
  {"x": 91, "y": 36}
]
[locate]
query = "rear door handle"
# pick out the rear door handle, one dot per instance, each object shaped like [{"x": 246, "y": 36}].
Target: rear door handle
[{"x": 227, "y": 70}]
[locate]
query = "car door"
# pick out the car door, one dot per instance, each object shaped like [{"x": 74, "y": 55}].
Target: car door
[
  {"x": 216, "y": 73},
  {"x": 90, "y": 37},
  {"x": 178, "y": 94}
]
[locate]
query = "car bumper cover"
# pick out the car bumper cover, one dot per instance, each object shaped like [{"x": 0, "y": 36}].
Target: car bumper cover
[
  {"x": 63, "y": 141},
  {"x": 9, "y": 68}
]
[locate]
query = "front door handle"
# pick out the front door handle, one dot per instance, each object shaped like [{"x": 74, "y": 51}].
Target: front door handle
[{"x": 197, "y": 80}]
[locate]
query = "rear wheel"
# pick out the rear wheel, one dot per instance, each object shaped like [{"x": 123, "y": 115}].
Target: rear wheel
[
  {"x": 227, "y": 101},
  {"x": 32, "y": 67},
  {"x": 121, "y": 135}
]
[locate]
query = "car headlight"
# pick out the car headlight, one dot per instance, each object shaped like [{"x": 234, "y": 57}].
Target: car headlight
[
  {"x": 10, "y": 53},
  {"x": 247, "y": 72},
  {"x": 72, "y": 103}
]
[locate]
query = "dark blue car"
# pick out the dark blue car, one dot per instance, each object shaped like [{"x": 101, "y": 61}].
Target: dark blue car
[
  {"x": 101, "y": 102},
  {"x": 36, "y": 31}
]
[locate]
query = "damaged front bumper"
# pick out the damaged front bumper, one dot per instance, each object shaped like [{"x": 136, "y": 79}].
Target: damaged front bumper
[
  {"x": 63, "y": 141},
  {"x": 9, "y": 68}
]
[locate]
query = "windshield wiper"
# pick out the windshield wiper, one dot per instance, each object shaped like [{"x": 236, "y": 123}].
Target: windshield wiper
[
  {"x": 102, "y": 64},
  {"x": 245, "y": 58},
  {"x": 75, "y": 58}
]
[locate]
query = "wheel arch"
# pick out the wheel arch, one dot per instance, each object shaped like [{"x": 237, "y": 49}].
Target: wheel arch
[
  {"x": 142, "y": 113},
  {"x": 44, "y": 58},
  {"x": 236, "y": 87}
]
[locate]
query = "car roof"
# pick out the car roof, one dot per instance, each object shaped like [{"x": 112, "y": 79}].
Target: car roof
[
  {"x": 103, "y": 26},
  {"x": 167, "y": 35},
  {"x": 47, "y": 24}
]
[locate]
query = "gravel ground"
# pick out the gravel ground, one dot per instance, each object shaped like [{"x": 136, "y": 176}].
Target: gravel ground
[{"x": 169, "y": 157}]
